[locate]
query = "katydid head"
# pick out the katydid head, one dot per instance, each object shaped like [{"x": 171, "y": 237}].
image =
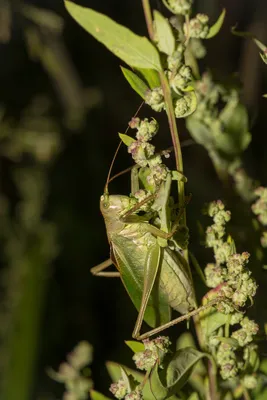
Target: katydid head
[{"x": 113, "y": 206}]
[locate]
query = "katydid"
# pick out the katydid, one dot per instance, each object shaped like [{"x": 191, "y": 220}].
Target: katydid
[{"x": 154, "y": 274}]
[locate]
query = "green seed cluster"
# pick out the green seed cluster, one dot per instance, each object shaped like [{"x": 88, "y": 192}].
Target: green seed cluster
[
  {"x": 155, "y": 99},
  {"x": 183, "y": 106},
  {"x": 155, "y": 350},
  {"x": 198, "y": 27},
  {"x": 182, "y": 7},
  {"x": 181, "y": 79},
  {"x": 232, "y": 280},
  {"x": 143, "y": 152}
]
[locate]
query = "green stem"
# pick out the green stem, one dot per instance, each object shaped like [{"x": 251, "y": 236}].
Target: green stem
[
  {"x": 169, "y": 108},
  {"x": 179, "y": 166}
]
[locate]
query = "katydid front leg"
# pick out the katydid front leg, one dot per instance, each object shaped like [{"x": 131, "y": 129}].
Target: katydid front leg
[{"x": 98, "y": 270}]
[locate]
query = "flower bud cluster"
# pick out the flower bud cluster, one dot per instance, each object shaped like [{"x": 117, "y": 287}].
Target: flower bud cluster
[
  {"x": 183, "y": 105},
  {"x": 245, "y": 334},
  {"x": 244, "y": 185},
  {"x": 259, "y": 208},
  {"x": 234, "y": 282},
  {"x": 155, "y": 99},
  {"x": 180, "y": 80},
  {"x": 76, "y": 384},
  {"x": 119, "y": 389},
  {"x": 198, "y": 27},
  {"x": 215, "y": 233},
  {"x": 143, "y": 152},
  {"x": 155, "y": 350},
  {"x": 182, "y": 7},
  {"x": 176, "y": 60},
  {"x": 226, "y": 359}
]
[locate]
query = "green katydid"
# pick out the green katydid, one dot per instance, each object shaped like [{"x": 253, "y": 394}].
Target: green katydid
[{"x": 155, "y": 276}]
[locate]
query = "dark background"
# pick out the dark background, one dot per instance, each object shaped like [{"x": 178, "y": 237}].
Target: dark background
[{"x": 77, "y": 305}]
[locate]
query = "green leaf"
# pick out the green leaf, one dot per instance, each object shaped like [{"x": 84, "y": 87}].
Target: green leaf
[
  {"x": 194, "y": 396},
  {"x": 135, "y": 346},
  {"x": 231, "y": 341},
  {"x": 235, "y": 138},
  {"x": 135, "y": 82},
  {"x": 94, "y": 395},
  {"x": 134, "y": 50},
  {"x": 164, "y": 35},
  {"x": 214, "y": 29},
  {"x": 200, "y": 132},
  {"x": 186, "y": 340},
  {"x": 151, "y": 76},
  {"x": 114, "y": 370},
  {"x": 154, "y": 387},
  {"x": 181, "y": 366},
  {"x": 211, "y": 320},
  {"x": 128, "y": 140}
]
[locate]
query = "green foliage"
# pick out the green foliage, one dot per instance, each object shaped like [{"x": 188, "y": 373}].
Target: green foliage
[
  {"x": 214, "y": 29},
  {"x": 134, "y": 50},
  {"x": 164, "y": 35},
  {"x": 136, "y": 83}
]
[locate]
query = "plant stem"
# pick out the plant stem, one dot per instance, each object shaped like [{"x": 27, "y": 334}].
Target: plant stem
[
  {"x": 169, "y": 109},
  {"x": 179, "y": 166}
]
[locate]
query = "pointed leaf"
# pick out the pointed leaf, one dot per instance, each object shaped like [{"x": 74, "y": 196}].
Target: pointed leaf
[
  {"x": 154, "y": 387},
  {"x": 135, "y": 82},
  {"x": 151, "y": 76},
  {"x": 187, "y": 340},
  {"x": 231, "y": 341},
  {"x": 136, "y": 347},
  {"x": 128, "y": 140},
  {"x": 181, "y": 366},
  {"x": 164, "y": 35},
  {"x": 94, "y": 395},
  {"x": 134, "y": 50},
  {"x": 214, "y": 29},
  {"x": 114, "y": 370},
  {"x": 200, "y": 132},
  {"x": 235, "y": 138}
]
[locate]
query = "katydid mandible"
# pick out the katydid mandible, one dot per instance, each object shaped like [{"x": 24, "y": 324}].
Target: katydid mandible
[{"x": 155, "y": 275}]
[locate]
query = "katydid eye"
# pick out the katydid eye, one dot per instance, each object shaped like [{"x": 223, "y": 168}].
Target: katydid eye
[{"x": 105, "y": 204}]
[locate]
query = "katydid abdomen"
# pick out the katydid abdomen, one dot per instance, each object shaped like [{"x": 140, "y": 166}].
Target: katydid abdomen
[{"x": 172, "y": 286}]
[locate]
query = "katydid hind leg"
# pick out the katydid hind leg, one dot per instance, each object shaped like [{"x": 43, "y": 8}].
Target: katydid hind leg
[
  {"x": 150, "y": 273},
  {"x": 180, "y": 319},
  {"x": 98, "y": 270}
]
